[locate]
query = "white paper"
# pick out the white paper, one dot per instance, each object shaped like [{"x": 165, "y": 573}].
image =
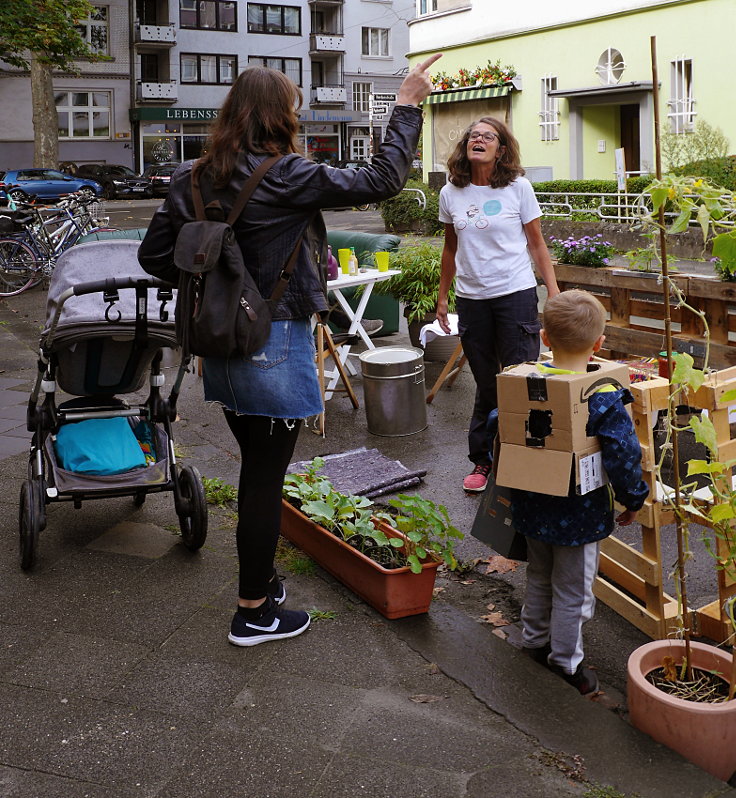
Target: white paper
[{"x": 592, "y": 475}]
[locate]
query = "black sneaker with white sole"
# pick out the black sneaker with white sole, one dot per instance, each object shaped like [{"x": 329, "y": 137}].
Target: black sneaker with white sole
[{"x": 274, "y": 624}]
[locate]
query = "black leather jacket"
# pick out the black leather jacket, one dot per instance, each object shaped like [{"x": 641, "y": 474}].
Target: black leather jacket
[{"x": 284, "y": 208}]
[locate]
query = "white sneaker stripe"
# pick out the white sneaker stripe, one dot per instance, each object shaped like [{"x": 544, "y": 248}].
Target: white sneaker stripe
[{"x": 272, "y": 628}]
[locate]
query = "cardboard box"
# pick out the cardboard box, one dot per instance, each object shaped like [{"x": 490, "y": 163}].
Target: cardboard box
[{"x": 542, "y": 420}]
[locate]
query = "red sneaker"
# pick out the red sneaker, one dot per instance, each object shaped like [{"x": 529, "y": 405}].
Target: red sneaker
[{"x": 476, "y": 481}]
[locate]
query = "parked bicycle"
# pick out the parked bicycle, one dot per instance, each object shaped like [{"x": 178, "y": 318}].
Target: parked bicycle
[{"x": 32, "y": 237}]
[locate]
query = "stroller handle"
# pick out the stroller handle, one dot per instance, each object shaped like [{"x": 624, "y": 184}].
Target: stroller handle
[{"x": 113, "y": 283}]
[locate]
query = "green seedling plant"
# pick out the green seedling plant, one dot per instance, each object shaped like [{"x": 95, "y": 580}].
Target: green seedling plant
[
  {"x": 426, "y": 528},
  {"x": 218, "y": 492}
]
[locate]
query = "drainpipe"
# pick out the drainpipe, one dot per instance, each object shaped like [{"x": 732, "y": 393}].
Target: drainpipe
[{"x": 133, "y": 95}]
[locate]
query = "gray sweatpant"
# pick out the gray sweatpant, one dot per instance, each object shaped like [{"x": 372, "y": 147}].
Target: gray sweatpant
[{"x": 559, "y": 599}]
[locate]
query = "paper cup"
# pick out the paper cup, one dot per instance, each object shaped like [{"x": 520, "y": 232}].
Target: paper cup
[
  {"x": 381, "y": 261},
  {"x": 343, "y": 255}
]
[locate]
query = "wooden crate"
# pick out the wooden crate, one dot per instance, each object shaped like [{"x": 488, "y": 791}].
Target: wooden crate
[
  {"x": 631, "y": 582},
  {"x": 635, "y": 303}
]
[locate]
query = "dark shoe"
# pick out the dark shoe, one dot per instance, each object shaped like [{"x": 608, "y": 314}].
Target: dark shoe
[
  {"x": 584, "y": 680},
  {"x": 476, "y": 481},
  {"x": 538, "y": 654},
  {"x": 274, "y": 624},
  {"x": 371, "y": 326},
  {"x": 279, "y": 591}
]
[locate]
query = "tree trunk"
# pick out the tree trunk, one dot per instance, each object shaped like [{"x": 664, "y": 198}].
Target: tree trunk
[{"x": 45, "y": 117}]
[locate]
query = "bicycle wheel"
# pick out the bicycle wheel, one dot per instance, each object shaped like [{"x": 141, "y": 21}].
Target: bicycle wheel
[{"x": 19, "y": 267}]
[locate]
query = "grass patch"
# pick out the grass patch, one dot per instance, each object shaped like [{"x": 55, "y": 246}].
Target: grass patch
[
  {"x": 293, "y": 560},
  {"x": 218, "y": 492},
  {"x": 322, "y": 615}
]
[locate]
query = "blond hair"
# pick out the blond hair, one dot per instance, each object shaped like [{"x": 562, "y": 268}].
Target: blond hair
[{"x": 573, "y": 321}]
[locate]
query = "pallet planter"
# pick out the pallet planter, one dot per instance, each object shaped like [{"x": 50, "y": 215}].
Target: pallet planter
[
  {"x": 631, "y": 581},
  {"x": 634, "y": 301},
  {"x": 395, "y": 593}
]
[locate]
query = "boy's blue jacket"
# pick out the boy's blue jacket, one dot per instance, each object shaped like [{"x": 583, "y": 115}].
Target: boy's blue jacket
[{"x": 573, "y": 520}]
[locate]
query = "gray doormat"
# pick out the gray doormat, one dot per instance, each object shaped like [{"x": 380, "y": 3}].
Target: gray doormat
[{"x": 364, "y": 472}]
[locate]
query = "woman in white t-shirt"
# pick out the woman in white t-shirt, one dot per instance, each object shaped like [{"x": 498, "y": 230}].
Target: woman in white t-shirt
[{"x": 491, "y": 219}]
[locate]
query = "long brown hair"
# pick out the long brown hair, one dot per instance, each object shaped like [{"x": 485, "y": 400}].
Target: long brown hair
[
  {"x": 508, "y": 166},
  {"x": 260, "y": 114}
]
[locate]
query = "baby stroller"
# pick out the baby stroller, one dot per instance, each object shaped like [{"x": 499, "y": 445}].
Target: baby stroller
[{"x": 103, "y": 338}]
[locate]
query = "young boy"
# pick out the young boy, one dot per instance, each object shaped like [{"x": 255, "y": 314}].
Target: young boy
[{"x": 563, "y": 532}]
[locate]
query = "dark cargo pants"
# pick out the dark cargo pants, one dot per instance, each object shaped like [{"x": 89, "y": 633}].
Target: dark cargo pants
[{"x": 495, "y": 333}]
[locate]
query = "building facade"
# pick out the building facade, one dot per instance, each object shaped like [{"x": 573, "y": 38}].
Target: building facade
[
  {"x": 172, "y": 63},
  {"x": 581, "y": 103}
]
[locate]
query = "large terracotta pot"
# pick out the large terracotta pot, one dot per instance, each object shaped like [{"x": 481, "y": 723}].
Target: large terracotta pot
[
  {"x": 395, "y": 593},
  {"x": 703, "y": 733}
]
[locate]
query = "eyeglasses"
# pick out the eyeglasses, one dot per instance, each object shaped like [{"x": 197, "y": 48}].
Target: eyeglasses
[{"x": 489, "y": 138}]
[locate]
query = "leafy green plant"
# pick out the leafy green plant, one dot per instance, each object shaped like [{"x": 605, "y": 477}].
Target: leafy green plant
[
  {"x": 418, "y": 284},
  {"x": 643, "y": 259},
  {"x": 705, "y": 142},
  {"x": 322, "y": 615},
  {"x": 218, "y": 492},
  {"x": 404, "y": 212},
  {"x": 355, "y": 519},
  {"x": 428, "y": 529}
]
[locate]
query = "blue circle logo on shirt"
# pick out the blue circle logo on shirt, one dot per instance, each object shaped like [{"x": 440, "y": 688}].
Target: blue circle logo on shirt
[{"x": 492, "y": 208}]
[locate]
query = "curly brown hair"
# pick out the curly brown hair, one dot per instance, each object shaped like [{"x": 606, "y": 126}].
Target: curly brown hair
[
  {"x": 260, "y": 114},
  {"x": 508, "y": 166}
]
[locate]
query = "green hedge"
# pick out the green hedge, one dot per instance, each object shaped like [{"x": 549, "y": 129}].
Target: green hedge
[
  {"x": 721, "y": 171},
  {"x": 634, "y": 185},
  {"x": 403, "y": 213}
]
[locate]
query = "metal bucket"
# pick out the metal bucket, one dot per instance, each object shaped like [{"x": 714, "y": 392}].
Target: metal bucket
[{"x": 393, "y": 390}]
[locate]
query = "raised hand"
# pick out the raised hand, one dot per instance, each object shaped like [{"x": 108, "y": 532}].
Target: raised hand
[{"x": 417, "y": 85}]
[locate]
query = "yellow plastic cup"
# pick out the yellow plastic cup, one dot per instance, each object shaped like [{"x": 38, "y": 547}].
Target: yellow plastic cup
[
  {"x": 343, "y": 255},
  {"x": 381, "y": 261}
]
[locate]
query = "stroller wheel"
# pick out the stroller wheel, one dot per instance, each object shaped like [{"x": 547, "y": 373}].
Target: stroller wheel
[
  {"x": 28, "y": 523},
  {"x": 139, "y": 498},
  {"x": 193, "y": 510}
]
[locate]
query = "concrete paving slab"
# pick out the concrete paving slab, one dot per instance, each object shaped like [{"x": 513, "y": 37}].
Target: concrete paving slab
[
  {"x": 82, "y": 665},
  {"x": 135, "y": 540},
  {"x": 19, "y": 783}
]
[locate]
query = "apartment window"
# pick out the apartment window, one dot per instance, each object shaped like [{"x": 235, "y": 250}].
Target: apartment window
[
  {"x": 291, "y": 67},
  {"x": 208, "y": 14},
  {"x": 426, "y": 6},
  {"x": 94, "y": 29},
  {"x": 83, "y": 114},
  {"x": 284, "y": 20},
  {"x": 549, "y": 116},
  {"x": 362, "y": 96},
  {"x": 201, "y": 68},
  {"x": 682, "y": 105},
  {"x": 375, "y": 41}
]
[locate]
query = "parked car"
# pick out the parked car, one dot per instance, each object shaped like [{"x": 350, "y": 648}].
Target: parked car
[
  {"x": 20, "y": 184},
  {"x": 116, "y": 181},
  {"x": 160, "y": 177},
  {"x": 351, "y": 164}
]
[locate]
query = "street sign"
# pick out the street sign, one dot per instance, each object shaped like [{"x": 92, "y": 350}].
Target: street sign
[
  {"x": 384, "y": 98},
  {"x": 379, "y": 117},
  {"x": 379, "y": 109}
]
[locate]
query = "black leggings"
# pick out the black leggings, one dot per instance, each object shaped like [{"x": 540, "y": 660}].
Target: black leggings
[{"x": 266, "y": 448}]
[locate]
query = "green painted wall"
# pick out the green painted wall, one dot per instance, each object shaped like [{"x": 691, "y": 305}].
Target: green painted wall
[{"x": 701, "y": 30}]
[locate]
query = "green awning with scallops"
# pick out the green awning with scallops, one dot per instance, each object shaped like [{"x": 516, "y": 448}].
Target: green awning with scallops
[{"x": 462, "y": 95}]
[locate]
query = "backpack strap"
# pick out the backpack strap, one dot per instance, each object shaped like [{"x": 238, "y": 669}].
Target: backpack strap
[{"x": 243, "y": 196}]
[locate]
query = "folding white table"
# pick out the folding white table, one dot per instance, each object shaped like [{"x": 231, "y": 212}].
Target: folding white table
[{"x": 367, "y": 278}]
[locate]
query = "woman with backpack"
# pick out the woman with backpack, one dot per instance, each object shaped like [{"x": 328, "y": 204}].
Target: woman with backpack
[{"x": 265, "y": 396}]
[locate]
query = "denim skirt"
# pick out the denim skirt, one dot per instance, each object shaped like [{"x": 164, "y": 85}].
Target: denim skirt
[{"x": 279, "y": 380}]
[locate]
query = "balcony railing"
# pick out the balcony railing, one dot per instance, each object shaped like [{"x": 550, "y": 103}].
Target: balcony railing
[
  {"x": 329, "y": 94},
  {"x": 163, "y": 35},
  {"x": 157, "y": 92},
  {"x": 326, "y": 2},
  {"x": 326, "y": 43}
]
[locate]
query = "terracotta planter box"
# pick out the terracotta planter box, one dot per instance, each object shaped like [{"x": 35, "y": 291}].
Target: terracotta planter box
[
  {"x": 703, "y": 733},
  {"x": 395, "y": 593}
]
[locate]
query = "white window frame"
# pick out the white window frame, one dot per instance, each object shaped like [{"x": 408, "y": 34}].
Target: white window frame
[
  {"x": 682, "y": 111},
  {"x": 99, "y": 19},
  {"x": 89, "y": 110},
  {"x": 549, "y": 116},
  {"x": 382, "y": 36},
  {"x": 362, "y": 96},
  {"x": 291, "y": 67},
  {"x": 426, "y": 7}
]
